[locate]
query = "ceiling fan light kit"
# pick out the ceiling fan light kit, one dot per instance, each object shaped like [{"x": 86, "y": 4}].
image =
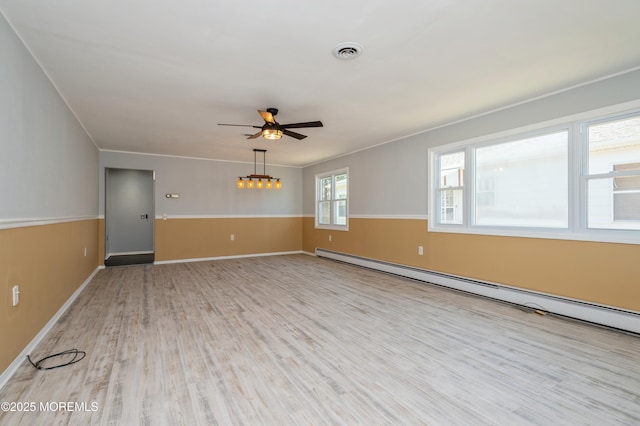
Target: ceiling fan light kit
[
  {"x": 273, "y": 130},
  {"x": 259, "y": 181},
  {"x": 272, "y": 134}
]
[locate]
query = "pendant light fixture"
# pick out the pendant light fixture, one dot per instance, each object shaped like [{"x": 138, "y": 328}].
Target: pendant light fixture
[{"x": 259, "y": 181}]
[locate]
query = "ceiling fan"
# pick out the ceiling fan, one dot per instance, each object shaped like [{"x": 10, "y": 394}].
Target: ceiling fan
[{"x": 273, "y": 130}]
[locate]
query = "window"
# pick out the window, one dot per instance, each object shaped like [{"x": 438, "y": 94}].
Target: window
[
  {"x": 332, "y": 200},
  {"x": 573, "y": 180},
  {"x": 614, "y": 174}
]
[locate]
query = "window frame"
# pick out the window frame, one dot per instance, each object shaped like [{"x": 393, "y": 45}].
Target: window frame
[
  {"x": 332, "y": 201},
  {"x": 577, "y": 184}
]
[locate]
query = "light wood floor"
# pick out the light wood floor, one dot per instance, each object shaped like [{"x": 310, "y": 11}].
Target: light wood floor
[{"x": 300, "y": 340}]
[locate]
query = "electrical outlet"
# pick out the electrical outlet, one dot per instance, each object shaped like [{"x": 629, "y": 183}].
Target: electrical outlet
[
  {"x": 233, "y": 237},
  {"x": 16, "y": 294},
  {"x": 329, "y": 237},
  {"x": 85, "y": 252},
  {"x": 420, "y": 250}
]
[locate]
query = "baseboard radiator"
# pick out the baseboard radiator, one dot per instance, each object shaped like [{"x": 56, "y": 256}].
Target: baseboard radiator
[{"x": 598, "y": 314}]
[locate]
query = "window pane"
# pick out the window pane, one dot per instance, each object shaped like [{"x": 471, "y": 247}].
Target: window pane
[
  {"x": 451, "y": 206},
  {"x": 627, "y": 183},
  {"x": 614, "y": 142},
  {"x": 451, "y": 170},
  {"x": 612, "y": 210},
  {"x": 324, "y": 213},
  {"x": 341, "y": 187},
  {"x": 626, "y": 206},
  {"x": 451, "y": 176},
  {"x": 325, "y": 188},
  {"x": 523, "y": 183},
  {"x": 340, "y": 212}
]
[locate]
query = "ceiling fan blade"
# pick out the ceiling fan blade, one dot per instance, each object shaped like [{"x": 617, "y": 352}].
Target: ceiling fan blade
[
  {"x": 301, "y": 125},
  {"x": 267, "y": 116},
  {"x": 257, "y": 135},
  {"x": 293, "y": 134},
  {"x": 240, "y": 125}
]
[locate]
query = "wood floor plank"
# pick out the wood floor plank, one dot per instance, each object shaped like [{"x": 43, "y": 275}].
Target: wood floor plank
[{"x": 302, "y": 340}]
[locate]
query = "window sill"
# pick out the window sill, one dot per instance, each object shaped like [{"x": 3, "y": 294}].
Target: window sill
[
  {"x": 333, "y": 227},
  {"x": 600, "y": 236}
]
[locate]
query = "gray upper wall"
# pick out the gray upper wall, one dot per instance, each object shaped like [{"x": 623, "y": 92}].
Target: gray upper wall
[
  {"x": 47, "y": 161},
  {"x": 49, "y": 167},
  {"x": 208, "y": 187},
  {"x": 390, "y": 180}
]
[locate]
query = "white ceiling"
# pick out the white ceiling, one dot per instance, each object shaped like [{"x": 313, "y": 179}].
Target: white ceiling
[{"x": 156, "y": 76}]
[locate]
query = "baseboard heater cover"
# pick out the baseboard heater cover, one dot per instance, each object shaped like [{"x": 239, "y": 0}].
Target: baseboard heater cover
[{"x": 599, "y": 314}]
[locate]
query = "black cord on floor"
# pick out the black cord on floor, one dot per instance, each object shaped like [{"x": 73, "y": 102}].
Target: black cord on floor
[{"x": 77, "y": 356}]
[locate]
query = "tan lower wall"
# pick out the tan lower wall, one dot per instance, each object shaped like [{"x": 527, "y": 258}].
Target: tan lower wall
[
  {"x": 202, "y": 238},
  {"x": 177, "y": 239},
  {"x": 602, "y": 273},
  {"x": 48, "y": 263}
]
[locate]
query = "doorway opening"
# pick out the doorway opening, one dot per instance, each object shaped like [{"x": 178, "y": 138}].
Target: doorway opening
[{"x": 129, "y": 216}]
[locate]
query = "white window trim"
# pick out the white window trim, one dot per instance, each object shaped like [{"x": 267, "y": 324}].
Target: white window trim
[
  {"x": 577, "y": 185},
  {"x": 332, "y": 173}
]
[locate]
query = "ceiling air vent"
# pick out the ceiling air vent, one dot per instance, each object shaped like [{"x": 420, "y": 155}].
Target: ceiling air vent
[{"x": 347, "y": 50}]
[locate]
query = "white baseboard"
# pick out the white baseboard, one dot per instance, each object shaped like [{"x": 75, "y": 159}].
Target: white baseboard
[
  {"x": 203, "y": 259},
  {"x": 13, "y": 367},
  {"x": 609, "y": 316}
]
